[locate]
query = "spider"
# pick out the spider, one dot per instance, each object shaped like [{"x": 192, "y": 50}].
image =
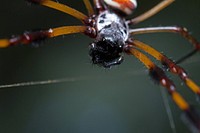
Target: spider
[{"x": 107, "y": 25}]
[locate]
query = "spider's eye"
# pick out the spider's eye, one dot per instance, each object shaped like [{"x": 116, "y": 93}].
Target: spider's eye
[{"x": 125, "y": 6}]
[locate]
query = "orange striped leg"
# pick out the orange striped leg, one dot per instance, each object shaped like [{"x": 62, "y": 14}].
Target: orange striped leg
[
  {"x": 89, "y": 7},
  {"x": 61, "y": 7},
  {"x": 37, "y": 36},
  {"x": 158, "y": 75},
  {"x": 174, "y": 68},
  {"x": 174, "y": 29},
  {"x": 160, "y": 6}
]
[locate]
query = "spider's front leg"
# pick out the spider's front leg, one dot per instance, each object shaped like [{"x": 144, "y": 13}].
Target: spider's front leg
[{"x": 159, "y": 76}]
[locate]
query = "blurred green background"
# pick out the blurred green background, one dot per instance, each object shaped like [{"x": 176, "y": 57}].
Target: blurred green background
[{"x": 94, "y": 100}]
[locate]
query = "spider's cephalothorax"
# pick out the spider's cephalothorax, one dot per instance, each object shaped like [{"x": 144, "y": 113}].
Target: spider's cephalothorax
[{"x": 112, "y": 32}]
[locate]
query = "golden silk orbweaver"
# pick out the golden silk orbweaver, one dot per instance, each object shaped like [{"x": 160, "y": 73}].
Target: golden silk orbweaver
[{"x": 113, "y": 36}]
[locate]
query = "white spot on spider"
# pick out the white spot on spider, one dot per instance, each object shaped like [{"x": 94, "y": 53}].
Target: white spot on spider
[
  {"x": 27, "y": 37},
  {"x": 163, "y": 81},
  {"x": 50, "y": 31},
  {"x": 172, "y": 88},
  {"x": 92, "y": 45},
  {"x": 184, "y": 74},
  {"x": 185, "y": 29}
]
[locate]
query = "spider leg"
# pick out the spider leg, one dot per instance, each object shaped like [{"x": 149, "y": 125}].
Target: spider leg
[
  {"x": 160, "y": 6},
  {"x": 89, "y": 7},
  {"x": 62, "y": 8},
  {"x": 36, "y": 36},
  {"x": 174, "y": 29},
  {"x": 173, "y": 67},
  {"x": 159, "y": 76},
  {"x": 99, "y": 6}
]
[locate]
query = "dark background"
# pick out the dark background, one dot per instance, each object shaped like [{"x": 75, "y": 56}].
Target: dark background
[{"x": 94, "y": 100}]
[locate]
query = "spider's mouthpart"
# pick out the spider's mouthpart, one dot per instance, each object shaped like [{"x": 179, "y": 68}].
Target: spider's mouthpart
[{"x": 106, "y": 53}]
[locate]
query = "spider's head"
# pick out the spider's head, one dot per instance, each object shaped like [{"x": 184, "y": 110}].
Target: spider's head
[{"x": 106, "y": 52}]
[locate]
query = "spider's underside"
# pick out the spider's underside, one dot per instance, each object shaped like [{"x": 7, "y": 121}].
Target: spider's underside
[{"x": 112, "y": 34}]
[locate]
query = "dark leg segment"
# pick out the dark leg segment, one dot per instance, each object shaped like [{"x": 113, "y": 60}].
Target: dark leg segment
[
  {"x": 159, "y": 76},
  {"x": 26, "y": 38},
  {"x": 37, "y": 36}
]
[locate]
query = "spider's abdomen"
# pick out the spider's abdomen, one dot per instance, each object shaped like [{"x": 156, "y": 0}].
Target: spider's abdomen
[
  {"x": 124, "y": 6},
  {"x": 112, "y": 33}
]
